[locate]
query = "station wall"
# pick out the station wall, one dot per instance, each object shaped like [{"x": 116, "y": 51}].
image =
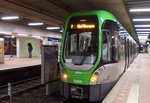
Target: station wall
[
  {"x": 19, "y": 29},
  {"x": 22, "y": 50}
]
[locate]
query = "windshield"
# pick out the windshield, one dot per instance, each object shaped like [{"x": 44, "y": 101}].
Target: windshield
[{"x": 81, "y": 40}]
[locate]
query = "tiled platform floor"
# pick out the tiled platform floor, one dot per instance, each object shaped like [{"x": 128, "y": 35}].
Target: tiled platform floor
[
  {"x": 19, "y": 62},
  {"x": 134, "y": 85}
]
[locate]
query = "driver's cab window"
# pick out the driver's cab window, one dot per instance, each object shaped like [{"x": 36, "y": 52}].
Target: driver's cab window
[{"x": 74, "y": 43}]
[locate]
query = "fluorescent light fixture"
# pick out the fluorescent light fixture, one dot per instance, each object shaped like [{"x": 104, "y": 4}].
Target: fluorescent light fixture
[
  {"x": 10, "y": 17},
  {"x": 52, "y": 28},
  {"x": 142, "y": 25},
  {"x": 122, "y": 31},
  {"x": 142, "y": 32},
  {"x": 146, "y": 19},
  {"x": 140, "y": 10},
  {"x": 142, "y": 37},
  {"x": 22, "y": 34},
  {"x": 12, "y": 36},
  {"x": 61, "y": 31},
  {"x": 142, "y": 29},
  {"x": 35, "y": 24},
  {"x": 8, "y": 33},
  {"x": 1, "y": 39},
  {"x": 35, "y": 36}
]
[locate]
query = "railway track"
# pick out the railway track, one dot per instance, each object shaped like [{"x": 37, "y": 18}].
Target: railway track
[
  {"x": 19, "y": 87},
  {"x": 76, "y": 101},
  {"x": 24, "y": 86}
]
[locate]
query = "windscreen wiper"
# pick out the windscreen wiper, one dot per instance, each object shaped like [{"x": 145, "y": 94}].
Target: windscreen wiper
[{"x": 82, "y": 60}]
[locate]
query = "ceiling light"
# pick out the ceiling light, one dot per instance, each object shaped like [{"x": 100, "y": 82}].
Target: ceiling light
[
  {"x": 140, "y": 10},
  {"x": 35, "y": 36},
  {"x": 35, "y": 24},
  {"x": 52, "y": 28},
  {"x": 142, "y": 32},
  {"x": 142, "y": 29},
  {"x": 146, "y": 19},
  {"x": 1, "y": 39},
  {"x": 61, "y": 31},
  {"x": 7, "y": 33},
  {"x": 9, "y": 17},
  {"x": 142, "y": 25},
  {"x": 22, "y": 34},
  {"x": 122, "y": 31},
  {"x": 142, "y": 37}
]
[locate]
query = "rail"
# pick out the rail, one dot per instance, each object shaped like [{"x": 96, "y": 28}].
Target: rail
[{"x": 20, "y": 86}]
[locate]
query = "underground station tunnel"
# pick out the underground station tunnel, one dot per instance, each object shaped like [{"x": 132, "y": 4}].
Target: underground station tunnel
[{"x": 74, "y": 51}]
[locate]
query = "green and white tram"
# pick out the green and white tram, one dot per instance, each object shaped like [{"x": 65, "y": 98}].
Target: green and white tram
[{"x": 93, "y": 55}]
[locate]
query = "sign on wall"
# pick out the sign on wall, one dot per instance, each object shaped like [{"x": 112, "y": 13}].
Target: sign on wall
[
  {"x": 54, "y": 41},
  {"x": 9, "y": 44},
  {"x": 1, "y": 48}
]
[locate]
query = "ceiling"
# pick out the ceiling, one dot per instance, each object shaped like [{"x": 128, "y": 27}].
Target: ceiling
[
  {"x": 54, "y": 12},
  {"x": 139, "y": 4}
]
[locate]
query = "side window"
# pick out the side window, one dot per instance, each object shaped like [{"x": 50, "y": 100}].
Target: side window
[
  {"x": 111, "y": 42},
  {"x": 106, "y": 46},
  {"x": 115, "y": 46}
]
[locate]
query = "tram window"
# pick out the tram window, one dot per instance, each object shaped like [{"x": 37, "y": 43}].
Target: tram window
[
  {"x": 106, "y": 46},
  {"x": 115, "y": 42},
  {"x": 86, "y": 44},
  {"x": 110, "y": 42},
  {"x": 93, "y": 44},
  {"x": 74, "y": 43},
  {"x": 81, "y": 47}
]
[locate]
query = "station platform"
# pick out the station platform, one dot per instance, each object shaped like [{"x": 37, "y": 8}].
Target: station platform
[
  {"x": 19, "y": 62},
  {"x": 134, "y": 85}
]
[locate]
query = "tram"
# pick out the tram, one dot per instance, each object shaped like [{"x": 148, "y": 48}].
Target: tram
[{"x": 94, "y": 54}]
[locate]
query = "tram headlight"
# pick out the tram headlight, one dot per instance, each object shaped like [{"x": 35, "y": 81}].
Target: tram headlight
[
  {"x": 64, "y": 76},
  {"x": 94, "y": 78},
  {"x": 63, "y": 73}
]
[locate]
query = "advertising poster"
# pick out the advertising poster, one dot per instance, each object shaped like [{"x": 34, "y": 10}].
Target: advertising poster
[
  {"x": 1, "y": 50},
  {"x": 9, "y": 44},
  {"x": 49, "y": 63}
]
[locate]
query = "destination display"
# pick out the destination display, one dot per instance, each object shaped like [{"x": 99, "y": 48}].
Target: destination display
[
  {"x": 85, "y": 22},
  {"x": 82, "y": 26}
]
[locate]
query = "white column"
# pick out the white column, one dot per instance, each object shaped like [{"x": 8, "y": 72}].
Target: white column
[{"x": 18, "y": 47}]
